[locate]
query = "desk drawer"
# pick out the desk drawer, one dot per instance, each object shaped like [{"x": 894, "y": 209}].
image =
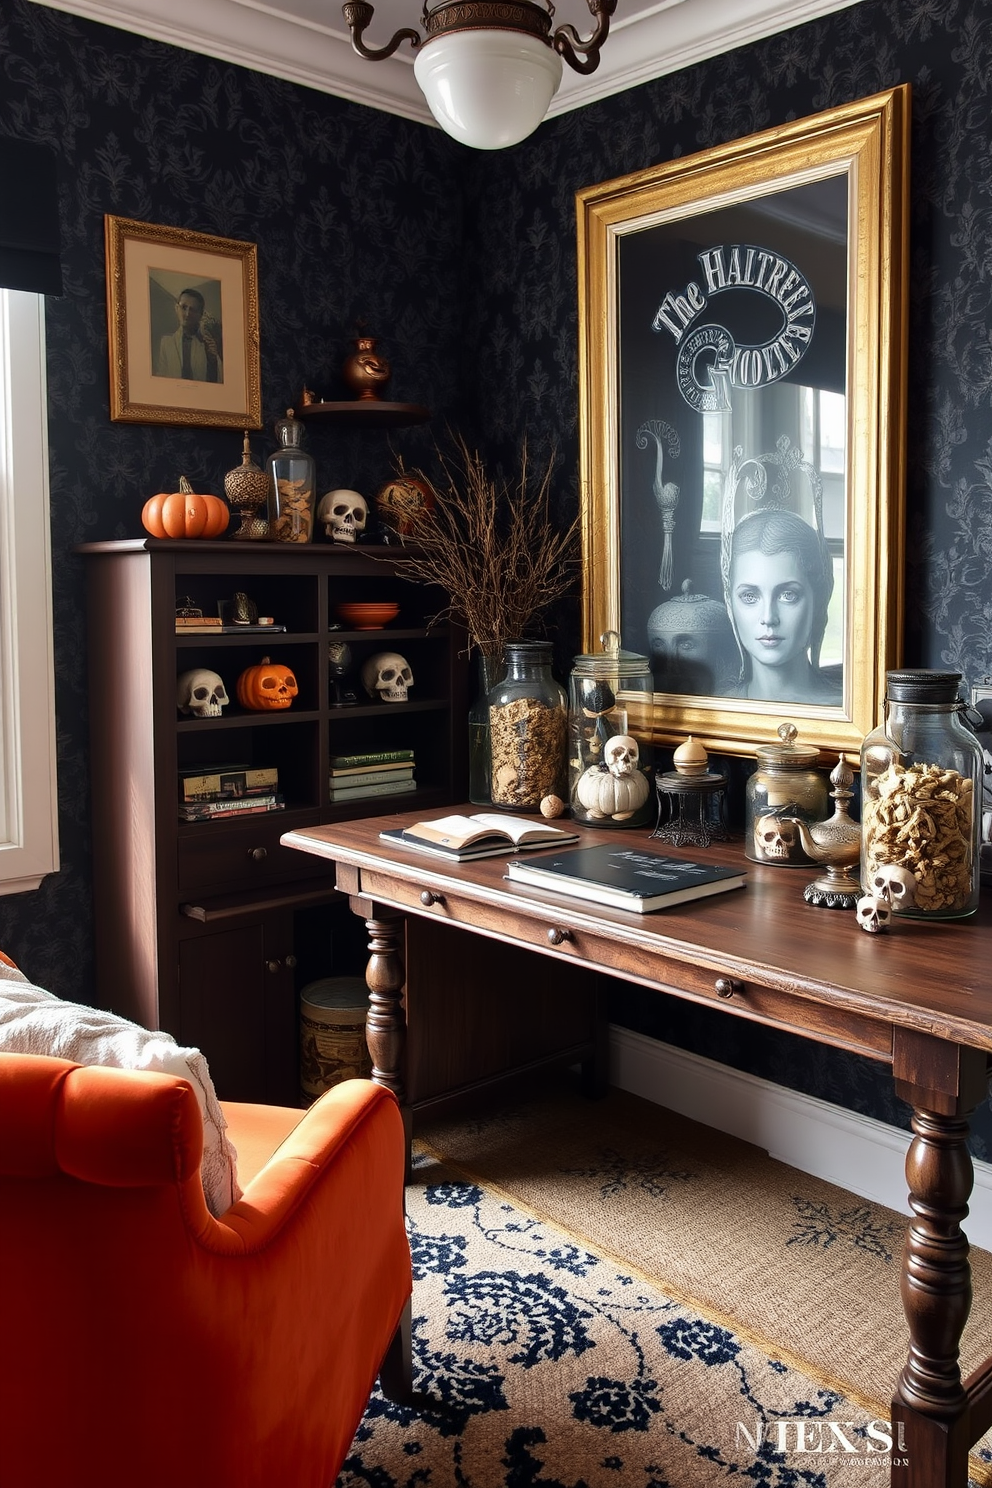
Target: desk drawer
[
  {"x": 240, "y": 855},
  {"x": 554, "y": 933}
]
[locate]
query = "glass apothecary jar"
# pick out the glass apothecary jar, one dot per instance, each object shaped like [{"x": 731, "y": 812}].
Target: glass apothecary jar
[
  {"x": 528, "y": 723},
  {"x": 292, "y": 482},
  {"x": 786, "y": 785},
  {"x": 610, "y": 771},
  {"x": 921, "y": 785}
]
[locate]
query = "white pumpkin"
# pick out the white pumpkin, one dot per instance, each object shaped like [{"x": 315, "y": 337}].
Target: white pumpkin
[{"x": 605, "y": 795}]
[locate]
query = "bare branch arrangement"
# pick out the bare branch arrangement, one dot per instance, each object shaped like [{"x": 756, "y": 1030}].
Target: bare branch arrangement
[{"x": 492, "y": 545}]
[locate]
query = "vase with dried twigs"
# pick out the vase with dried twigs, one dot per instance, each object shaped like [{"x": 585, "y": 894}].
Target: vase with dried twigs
[{"x": 492, "y": 545}]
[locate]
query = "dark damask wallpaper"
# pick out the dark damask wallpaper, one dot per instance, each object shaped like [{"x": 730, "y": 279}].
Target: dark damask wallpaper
[{"x": 465, "y": 265}]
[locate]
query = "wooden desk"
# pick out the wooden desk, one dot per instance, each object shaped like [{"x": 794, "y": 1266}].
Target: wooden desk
[{"x": 919, "y": 999}]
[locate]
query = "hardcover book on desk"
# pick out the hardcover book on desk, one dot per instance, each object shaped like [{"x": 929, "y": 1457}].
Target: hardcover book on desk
[
  {"x": 486, "y": 835},
  {"x": 625, "y": 878}
]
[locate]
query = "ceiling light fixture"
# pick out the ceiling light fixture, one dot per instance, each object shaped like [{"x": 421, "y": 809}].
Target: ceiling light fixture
[{"x": 488, "y": 68}]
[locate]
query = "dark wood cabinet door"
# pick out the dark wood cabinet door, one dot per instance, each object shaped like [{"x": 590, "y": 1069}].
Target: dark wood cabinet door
[{"x": 238, "y": 1004}]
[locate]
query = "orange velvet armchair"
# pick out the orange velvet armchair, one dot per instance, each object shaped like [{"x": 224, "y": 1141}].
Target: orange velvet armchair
[{"x": 147, "y": 1344}]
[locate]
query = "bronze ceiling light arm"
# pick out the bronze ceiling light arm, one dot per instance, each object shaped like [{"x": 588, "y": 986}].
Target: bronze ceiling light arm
[
  {"x": 456, "y": 15},
  {"x": 568, "y": 43},
  {"x": 358, "y": 14}
]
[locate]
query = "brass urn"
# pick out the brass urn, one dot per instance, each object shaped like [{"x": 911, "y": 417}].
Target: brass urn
[
  {"x": 365, "y": 371},
  {"x": 247, "y": 491}
]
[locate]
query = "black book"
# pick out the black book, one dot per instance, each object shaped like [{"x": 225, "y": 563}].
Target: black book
[{"x": 625, "y": 877}]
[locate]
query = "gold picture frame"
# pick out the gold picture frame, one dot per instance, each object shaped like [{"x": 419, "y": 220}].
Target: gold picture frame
[
  {"x": 182, "y": 313},
  {"x": 742, "y": 347}
]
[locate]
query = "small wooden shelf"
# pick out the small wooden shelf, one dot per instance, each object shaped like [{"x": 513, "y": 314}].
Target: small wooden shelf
[{"x": 367, "y": 413}]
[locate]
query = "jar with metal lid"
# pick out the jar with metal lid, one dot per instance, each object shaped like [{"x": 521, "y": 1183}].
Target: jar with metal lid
[
  {"x": 610, "y": 758},
  {"x": 291, "y": 476},
  {"x": 785, "y": 786},
  {"x": 921, "y": 784},
  {"x": 528, "y": 723}
]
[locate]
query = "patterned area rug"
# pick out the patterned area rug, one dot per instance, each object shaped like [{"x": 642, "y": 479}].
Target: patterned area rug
[
  {"x": 804, "y": 1272},
  {"x": 542, "y": 1364}
]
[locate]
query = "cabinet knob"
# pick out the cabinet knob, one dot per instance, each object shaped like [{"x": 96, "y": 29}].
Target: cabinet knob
[
  {"x": 258, "y": 853},
  {"x": 557, "y": 936},
  {"x": 272, "y": 965},
  {"x": 290, "y": 961},
  {"x": 727, "y": 986},
  {"x": 428, "y": 897}
]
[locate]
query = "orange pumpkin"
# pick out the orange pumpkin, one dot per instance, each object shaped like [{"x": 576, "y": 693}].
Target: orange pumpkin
[
  {"x": 403, "y": 502},
  {"x": 266, "y": 686},
  {"x": 183, "y": 513}
]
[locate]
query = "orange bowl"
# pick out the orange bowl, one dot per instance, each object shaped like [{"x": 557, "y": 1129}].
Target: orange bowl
[{"x": 367, "y": 616}]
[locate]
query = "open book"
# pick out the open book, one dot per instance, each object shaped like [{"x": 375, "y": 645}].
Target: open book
[{"x": 483, "y": 836}]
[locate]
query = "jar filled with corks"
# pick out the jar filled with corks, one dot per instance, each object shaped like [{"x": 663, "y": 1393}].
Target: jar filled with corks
[
  {"x": 528, "y": 728},
  {"x": 921, "y": 784}
]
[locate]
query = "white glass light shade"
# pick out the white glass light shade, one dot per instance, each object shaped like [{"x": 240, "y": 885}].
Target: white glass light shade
[{"x": 488, "y": 89}]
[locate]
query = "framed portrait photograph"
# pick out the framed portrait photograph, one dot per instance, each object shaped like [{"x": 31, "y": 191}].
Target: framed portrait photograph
[
  {"x": 182, "y": 312},
  {"x": 742, "y": 364}
]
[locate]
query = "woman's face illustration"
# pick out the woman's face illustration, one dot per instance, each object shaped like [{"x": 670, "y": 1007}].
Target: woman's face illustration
[{"x": 773, "y": 606}]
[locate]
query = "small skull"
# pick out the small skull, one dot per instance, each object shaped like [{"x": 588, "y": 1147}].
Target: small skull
[
  {"x": 895, "y": 884},
  {"x": 621, "y": 755},
  {"x": 387, "y": 676},
  {"x": 774, "y": 839},
  {"x": 201, "y": 693},
  {"x": 344, "y": 515},
  {"x": 874, "y": 915}
]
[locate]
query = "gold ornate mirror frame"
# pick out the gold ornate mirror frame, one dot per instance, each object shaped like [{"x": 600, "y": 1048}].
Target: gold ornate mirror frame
[{"x": 742, "y": 344}]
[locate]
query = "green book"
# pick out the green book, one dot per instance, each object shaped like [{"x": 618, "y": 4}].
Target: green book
[{"x": 376, "y": 757}]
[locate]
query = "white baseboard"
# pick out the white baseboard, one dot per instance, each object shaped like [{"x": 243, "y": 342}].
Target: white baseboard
[{"x": 865, "y": 1156}]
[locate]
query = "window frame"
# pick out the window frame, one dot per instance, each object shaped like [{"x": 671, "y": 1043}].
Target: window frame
[{"x": 29, "y": 843}]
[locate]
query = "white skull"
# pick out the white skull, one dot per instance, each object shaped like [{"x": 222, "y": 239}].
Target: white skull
[
  {"x": 201, "y": 693},
  {"x": 344, "y": 515},
  {"x": 387, "y": 676},
  {"x": 895, "y": 884},
  {"x": 621, "y": 754},
  {"x": 874, "y": 914},
  {"x": 773, "y": 838}
]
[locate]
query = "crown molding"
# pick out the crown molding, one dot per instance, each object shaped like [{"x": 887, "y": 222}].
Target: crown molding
[{"x": 295, "y": 46}]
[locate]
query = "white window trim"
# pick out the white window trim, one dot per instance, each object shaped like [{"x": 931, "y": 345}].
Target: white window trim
[{"x": 29, "y": 846}]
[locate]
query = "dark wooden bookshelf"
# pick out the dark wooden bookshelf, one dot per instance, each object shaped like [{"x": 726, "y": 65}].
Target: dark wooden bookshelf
[{"x": 209, "y": 930}]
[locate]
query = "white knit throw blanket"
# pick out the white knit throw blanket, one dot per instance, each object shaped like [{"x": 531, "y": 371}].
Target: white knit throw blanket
[{"x": 33, "y": 1021}]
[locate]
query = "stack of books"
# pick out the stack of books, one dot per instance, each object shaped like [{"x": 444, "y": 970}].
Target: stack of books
[
  {"x": 219, "y": 792},
  {"x": 384, "y": 772},
  {"x": 214, "y": 625}
]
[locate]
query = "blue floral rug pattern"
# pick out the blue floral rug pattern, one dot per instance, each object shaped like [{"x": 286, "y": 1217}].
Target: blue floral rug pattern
[{"x": 541, "y": 1365}]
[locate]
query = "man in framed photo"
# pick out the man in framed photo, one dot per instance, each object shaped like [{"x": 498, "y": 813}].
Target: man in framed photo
[{"x": 191, "y": 352}]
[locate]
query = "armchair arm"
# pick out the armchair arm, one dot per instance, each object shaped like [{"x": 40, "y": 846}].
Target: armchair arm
[{"x": 355, "y": 1112}]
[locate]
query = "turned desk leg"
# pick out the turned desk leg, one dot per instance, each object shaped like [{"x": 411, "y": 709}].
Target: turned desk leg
[
  {"x": 930, "y": 1412},
  {"x": 930, "y": 1402},
  {"x": 385, "y": 1025}
]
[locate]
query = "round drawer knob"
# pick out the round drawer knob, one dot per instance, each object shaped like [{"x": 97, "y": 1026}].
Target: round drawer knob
[
  {"x": 290, "y": 961},
  {"x": 727, "y": 986},
  {"x": 557, "y": 936},
  {"x": 428, "y": 897},
  {"x": 257, "y": 854},
  {"x": 272, "y": 965}
]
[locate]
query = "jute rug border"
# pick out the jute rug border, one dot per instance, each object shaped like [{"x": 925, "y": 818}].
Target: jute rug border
[{"x": 979, "y": 1472}]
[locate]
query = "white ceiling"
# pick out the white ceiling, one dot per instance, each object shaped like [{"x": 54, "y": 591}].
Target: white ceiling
[{"x": 306, "y": 41}]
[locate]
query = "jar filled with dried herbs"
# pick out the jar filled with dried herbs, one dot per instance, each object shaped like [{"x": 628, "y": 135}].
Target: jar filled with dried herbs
[
  {"x": 921, "y": 781},
  {"x": 528, "y": 725}
]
